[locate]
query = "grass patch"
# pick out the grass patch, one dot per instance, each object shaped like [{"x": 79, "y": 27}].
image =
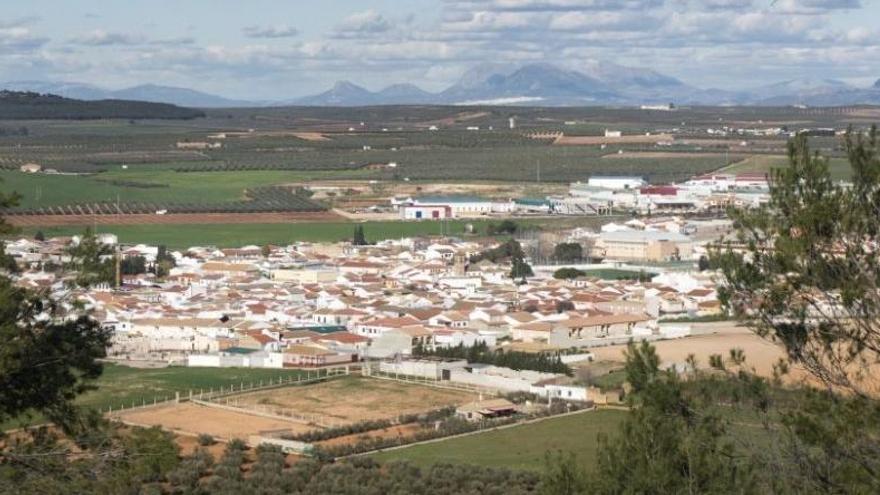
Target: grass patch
[
  {"x": 204, "y": 188},
  {"x": 839, "y": 167},
  {"x": 520, "y": 447},
  {"x": 236, "y": 235}
]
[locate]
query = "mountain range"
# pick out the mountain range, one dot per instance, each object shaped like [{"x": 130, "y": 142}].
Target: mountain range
[{"x": 593, "y": 83}]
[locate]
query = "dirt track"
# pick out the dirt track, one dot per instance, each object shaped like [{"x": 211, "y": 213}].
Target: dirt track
[{"x": 170, "y": 219}]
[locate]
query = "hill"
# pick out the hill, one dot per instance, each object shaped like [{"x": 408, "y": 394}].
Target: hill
[
  {"x": 183, "y": 97},
  {"x": 17, "y": 105}
]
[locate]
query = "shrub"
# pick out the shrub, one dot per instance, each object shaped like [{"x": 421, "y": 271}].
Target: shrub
[{"x": 206, "y": 440}]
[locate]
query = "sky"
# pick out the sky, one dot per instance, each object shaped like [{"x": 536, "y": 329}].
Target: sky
[{"x": 283, "y": 49}]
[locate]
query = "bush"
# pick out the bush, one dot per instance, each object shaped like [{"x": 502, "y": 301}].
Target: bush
[
  {"x": 568, "y": 273},
  {"x": 206, "y": 440}
]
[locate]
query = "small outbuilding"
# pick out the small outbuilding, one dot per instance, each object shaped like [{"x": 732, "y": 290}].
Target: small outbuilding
[{"x": 486, "y": 409}]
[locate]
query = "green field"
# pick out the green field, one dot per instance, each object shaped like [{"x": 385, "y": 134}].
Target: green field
[
  {"x": 237, "y": 235},
  {"x": 121, "y": 386},
  {"x": 519, "y": 447},
  {"x": 205, "y": 187},
  {"x": 839, "y": 167}
]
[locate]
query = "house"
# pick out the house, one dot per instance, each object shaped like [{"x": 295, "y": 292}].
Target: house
[
  {"x": 400, "y": 341},
  {"x": 229, "y": 268},
  {"x": 375, "y": 327},
  {"x": 576, "y": 332},
  {"x": 451, "y": 319},
  {"x": 341, "y": 317},
  {"x": 302, "y": 355},
  {"x": 305, "y": 276},
  {"x": 537, "y": 331},
  {"x": 486, "y": 409},
  {"x": 344, "y": 342}
]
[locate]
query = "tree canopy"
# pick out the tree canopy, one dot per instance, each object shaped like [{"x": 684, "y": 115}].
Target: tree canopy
[
  {"x": 804, "y": 270},
  {"x": 568, "y": 252}
]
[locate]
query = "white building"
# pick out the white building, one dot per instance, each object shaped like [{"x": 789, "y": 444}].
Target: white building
[
  {"x": 438, "y": 207},
  {"x": 617, "y": 181}
]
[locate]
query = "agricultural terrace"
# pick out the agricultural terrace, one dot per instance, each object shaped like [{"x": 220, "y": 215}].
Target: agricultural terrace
[
  {"x": 354, "y": 399},
  {"x": 518, "y": 447}
]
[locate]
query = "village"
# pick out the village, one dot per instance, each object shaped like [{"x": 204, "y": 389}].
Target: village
[{"x": 431, "y": 318}]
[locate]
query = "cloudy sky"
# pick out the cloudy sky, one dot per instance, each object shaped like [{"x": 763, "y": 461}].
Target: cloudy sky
[{"x": 276, "y": 49}]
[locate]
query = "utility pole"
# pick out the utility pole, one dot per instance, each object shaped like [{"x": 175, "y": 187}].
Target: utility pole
[{"x": 118, "y": 265}]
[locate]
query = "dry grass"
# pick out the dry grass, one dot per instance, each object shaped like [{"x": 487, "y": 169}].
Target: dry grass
[{"x": 355, "y": 399}]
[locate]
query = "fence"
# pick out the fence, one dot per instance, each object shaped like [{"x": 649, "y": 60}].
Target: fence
[{"x": 212, "y": 394}]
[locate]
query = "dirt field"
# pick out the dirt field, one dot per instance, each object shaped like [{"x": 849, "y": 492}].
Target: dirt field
[
  {"x": 170, "y": 219},
  {"x": 355, "y": 399},
  {"x": 195, "y": 419},
  {"x": 760, "y": 354},
  {"x": 460, "y": 117},
  {"x": 311, "y": 136}
]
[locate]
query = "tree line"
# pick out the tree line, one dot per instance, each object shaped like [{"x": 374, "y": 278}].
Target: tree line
[{"x": 481, "y": 353}]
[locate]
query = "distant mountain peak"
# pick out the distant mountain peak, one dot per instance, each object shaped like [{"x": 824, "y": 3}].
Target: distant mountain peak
[
  {"x": 346, "y": 86},
  {"x": 877, "y": 84}
]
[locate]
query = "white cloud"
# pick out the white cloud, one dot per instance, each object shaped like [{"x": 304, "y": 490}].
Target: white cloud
[
  {"x": 369, "y": 21},
  {"x": 270, "y": 32},
  {"x": 100, "y": 37},
  {"x": 19, "y": 39}
]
